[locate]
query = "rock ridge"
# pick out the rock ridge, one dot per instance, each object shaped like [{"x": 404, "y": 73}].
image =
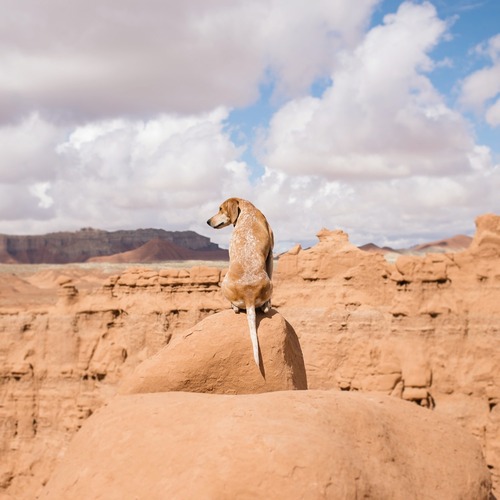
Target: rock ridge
[
  {"x": 79, "y": 246},
  {"x": 283, "y": 445},
  {"x": 422, "y": 329}
]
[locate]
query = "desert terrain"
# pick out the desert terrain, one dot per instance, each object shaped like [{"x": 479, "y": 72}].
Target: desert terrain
[
  {"x": 95, "y": 245},
  {"x": 400, "y": 358}
]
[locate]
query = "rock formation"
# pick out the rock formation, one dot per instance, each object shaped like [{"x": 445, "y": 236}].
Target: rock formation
[
  {"x": 215, "y": 356},
  {"x": 65, "y": 247},
  {"x": 147, "y": 245},
  {"x": 159, "y": 250},
  {"x": 457, "y": 243},
  {"x": 289, "y": 445},
  {"x": 424, "y": 329}
]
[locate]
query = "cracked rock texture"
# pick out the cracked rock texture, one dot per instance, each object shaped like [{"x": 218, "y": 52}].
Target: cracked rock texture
[{"x": 424, "y": 329}]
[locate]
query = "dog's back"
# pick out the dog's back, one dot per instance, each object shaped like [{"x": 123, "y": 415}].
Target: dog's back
[
  {"x": 250, "y": 253},
  {"x": 247, "y": 284}
]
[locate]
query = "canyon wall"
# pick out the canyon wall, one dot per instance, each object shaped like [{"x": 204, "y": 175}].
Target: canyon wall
[
  {"x": 79, "y": 246},
  {"x": 424, "y": 329}
]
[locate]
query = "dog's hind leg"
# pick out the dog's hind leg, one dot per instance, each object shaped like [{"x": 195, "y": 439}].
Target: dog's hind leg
[
  {"x": 269, "y": 264},
  {"x": 252, "y": 325},
  {"x": 269, "y": 270}
]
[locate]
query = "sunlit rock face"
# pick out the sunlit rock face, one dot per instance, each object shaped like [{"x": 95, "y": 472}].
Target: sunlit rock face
[{"x": 421, "y": 329}]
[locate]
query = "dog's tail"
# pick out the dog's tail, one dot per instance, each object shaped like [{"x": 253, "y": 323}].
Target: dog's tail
[{"x": 252, "y": 325}]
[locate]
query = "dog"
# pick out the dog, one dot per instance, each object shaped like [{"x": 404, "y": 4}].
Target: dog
[{"x": 247, "y": 284}]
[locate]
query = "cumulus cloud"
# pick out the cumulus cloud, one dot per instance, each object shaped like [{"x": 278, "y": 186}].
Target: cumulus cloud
[
  {"x": 380, "y": 152},
  {"x": 382, "y": 117},
  {"x": 493, "y": 113},
  {"x": 114, "y": 113},
  {"x": 167, "y": 171},
  {"x": 118, "y": 115},
  {"x": 27, "y": 150},
  {"x": 480, "y": 91},
  {"x": 98, "y": 59},
  {"x": 20, "y": 208},
  {"x": 398, "y": 212}
]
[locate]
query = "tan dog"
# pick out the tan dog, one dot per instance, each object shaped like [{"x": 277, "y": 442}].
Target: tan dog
[{"x": 247, "y": 284}]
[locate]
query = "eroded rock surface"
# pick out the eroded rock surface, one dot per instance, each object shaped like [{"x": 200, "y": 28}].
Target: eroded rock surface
[
  {"x": 425, "y": 329},
  {"x": 283, "y": 445},
  {"x": 68, "y": 337},
  {"x": 215, "y": 356}
]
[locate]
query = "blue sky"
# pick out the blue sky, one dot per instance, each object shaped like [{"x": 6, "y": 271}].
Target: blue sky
[{"x": 382, "y": 121}]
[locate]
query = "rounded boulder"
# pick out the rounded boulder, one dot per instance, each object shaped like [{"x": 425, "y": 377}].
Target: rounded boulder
[
  {"x": 215, "y": 356},
  {"x": 280, "y": 445}
]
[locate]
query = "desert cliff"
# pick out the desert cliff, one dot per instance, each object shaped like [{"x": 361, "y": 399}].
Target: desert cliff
[
  {"x": 422, "y": 329},
  {"x": 140, "y": 245}
]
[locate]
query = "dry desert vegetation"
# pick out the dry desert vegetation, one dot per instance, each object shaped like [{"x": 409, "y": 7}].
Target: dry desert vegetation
[{"x": 381, "y": 379}]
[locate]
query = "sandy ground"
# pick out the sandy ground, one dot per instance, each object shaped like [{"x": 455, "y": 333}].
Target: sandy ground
[{"x": 106, "y": 268}]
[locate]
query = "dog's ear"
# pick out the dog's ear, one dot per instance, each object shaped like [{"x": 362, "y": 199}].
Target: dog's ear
[{"x": 233, "y": 210}]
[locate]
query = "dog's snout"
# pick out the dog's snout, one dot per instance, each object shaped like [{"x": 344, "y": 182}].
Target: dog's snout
[{"x": 218, "y": 221}]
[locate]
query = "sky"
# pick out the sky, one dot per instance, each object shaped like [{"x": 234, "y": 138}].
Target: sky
[{"x": 381, "y": 120}]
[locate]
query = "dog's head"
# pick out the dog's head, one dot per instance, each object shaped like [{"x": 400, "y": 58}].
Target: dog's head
[{"x": 228, "y": 214}]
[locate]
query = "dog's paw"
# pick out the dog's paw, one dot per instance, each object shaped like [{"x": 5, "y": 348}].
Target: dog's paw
[
  {"x": 235, "y": 308},
  {"x": 265, "y": 308}
]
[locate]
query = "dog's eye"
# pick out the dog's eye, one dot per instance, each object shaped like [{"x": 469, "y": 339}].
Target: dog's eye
[{"x": 220, "y": 209}]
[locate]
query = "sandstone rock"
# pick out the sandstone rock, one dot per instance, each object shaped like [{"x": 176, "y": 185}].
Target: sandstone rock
[
  {"x": 67, "y": 292},
  {"x": 362, "y": 325},
  {"x": 487, "y": 238},
  {"x": 216, "y": 356},
  {"x": 290, "y": 445},
  {"x": 415, "y": 393},
  {"x": 436, "y": 318},
  {"x": 325, "y": 259},
  {"x": 334, "y": 257}
]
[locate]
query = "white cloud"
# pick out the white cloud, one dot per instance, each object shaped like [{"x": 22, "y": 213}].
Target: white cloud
[
  {"x": 96, "y": 59},
  {"x": 397, "y": 212},
  {"x": 480, "y": 86},
  {"x": 480, "y": 91},
  {"x": 27, "y": 150},
  {"x": 40, "y": 191},
  {"x": 299, "y": 37},
  {"x": 493, "y": 114},
  {"x": 382, "y": 117},
  {"x": 20, "y": 209},
  {"x": 122, "y": 173},
  {"x": 379, "y": 154}
]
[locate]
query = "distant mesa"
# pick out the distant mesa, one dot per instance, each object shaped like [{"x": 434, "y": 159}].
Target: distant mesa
[
  {"x": 154, "y": 245},
  {"x": 371, "y": 247},
  {"x": 160, "y": 250},
  {"x": 457, "y": 243},
  {"x": 94, "y": 245}
]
